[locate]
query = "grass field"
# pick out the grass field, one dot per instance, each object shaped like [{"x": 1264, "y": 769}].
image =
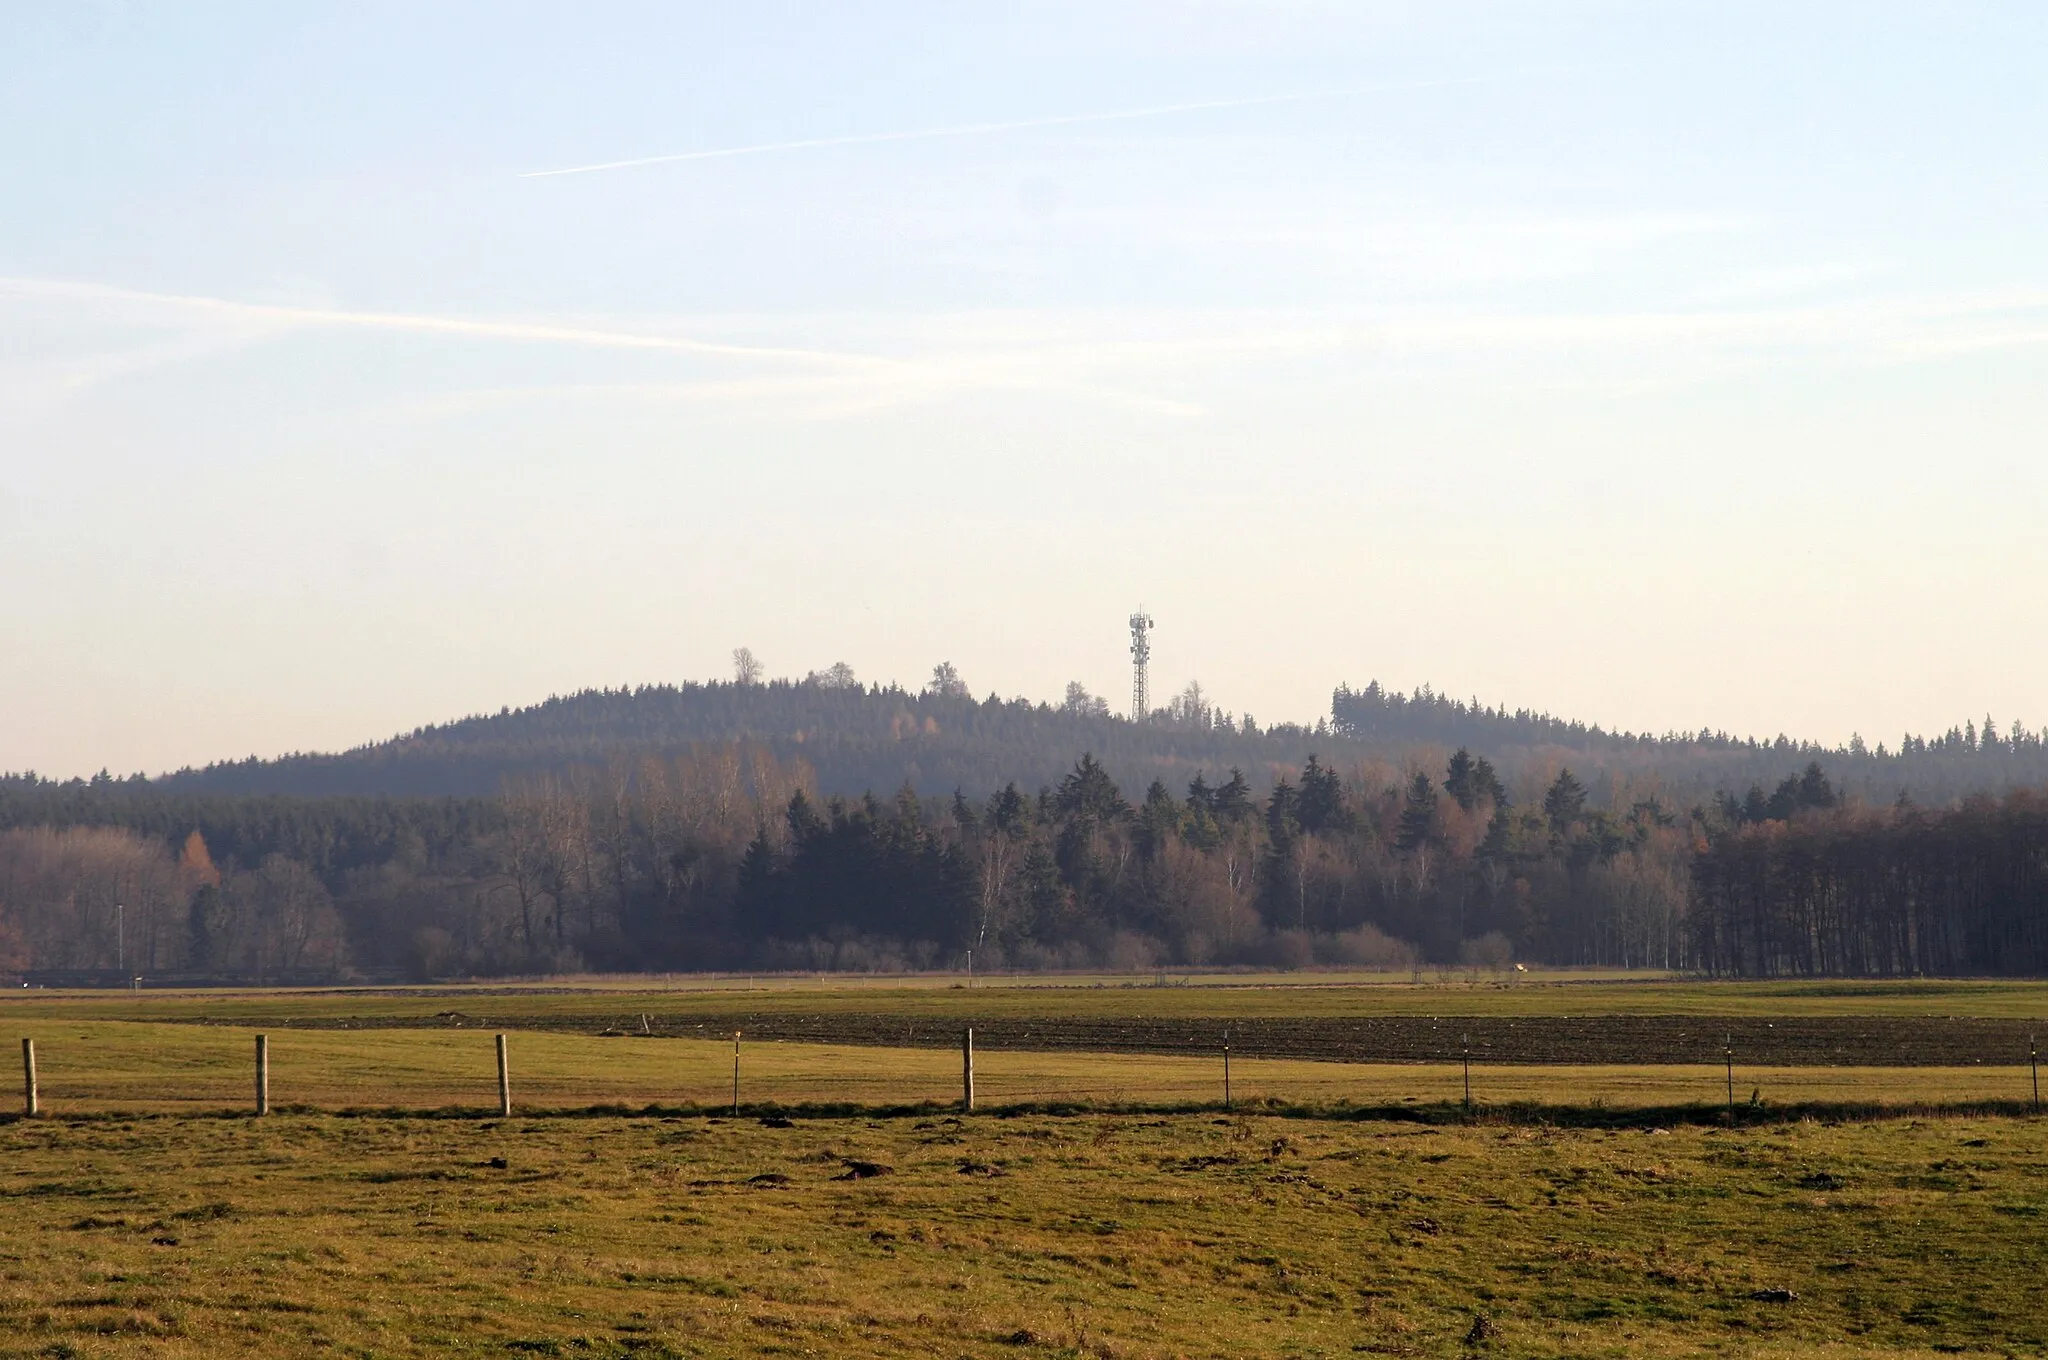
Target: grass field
[
  {"x": 1098, "y": 1203},
  {"x": 1080, "y": 1236}
]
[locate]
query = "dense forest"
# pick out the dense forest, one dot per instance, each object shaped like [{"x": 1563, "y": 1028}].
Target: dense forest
[
  {"x": 1875, "y": 891},
  {"x": 696, "y": 828},
  {"x": 728, "y": 856}
]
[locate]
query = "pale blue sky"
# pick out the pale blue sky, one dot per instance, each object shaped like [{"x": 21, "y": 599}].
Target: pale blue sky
[{"x": 1661, "y": 365}]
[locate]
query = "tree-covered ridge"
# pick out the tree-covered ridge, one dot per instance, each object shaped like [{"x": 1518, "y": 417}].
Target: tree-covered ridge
[{"x": 857, "y": 737}]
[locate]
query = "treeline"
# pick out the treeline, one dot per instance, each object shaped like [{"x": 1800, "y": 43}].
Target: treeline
[
  {"x": 856, "y": 737},
  {"x": 102, "y": 900},
  {"x": 728, "y": 856},
  {"x": 1864, "y": 891}
]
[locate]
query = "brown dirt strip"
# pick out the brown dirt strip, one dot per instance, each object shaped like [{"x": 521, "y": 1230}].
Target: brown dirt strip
[{"x": 1816, "y": 1041}]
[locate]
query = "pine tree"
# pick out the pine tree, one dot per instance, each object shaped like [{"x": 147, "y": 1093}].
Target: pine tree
[
  {"x": 1486, "y": 785},
  {"x": 1565, "y": 803},
  {"x": 1283, "y": 816},
  {"x": 1321, "y": 807},
  {"x": 1461, "y": 779},
  {"x": 1090, "y": 796},
  {"x": 1233, "y": 802},
  {"x": 1418, "y": 814}
]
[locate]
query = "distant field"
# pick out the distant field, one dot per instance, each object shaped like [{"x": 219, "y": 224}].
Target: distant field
[
  {"x": 1572, "y": 1022},
  {"x": 1092, "y": 1236},
  {"x": 1166, "y": 996}
]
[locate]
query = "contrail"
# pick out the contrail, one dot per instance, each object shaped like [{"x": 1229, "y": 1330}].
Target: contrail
[
  {"x": 1017, "y": 125},
  {"x": 288, "y": 315}
]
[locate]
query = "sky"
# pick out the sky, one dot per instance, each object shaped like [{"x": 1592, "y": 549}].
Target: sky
[{"x": 1660, "y": 365}]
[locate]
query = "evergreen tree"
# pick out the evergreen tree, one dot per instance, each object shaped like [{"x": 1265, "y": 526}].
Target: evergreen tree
[
  {"x": 1461, "y": 779},
  {"x": 1418, "y": 814},
  {"x": 1486, "y": 784},
  {"x": 1159, "y": 820},
  {"x": 1565, "y": 802},
  {"x": 1010, "y": 811},
  {"x": 1321, "y": 804},
  {"x": 1283, "y": 816},
  {"x": 1233, "y": 801},
  {"x": 1090, "y": 796}
]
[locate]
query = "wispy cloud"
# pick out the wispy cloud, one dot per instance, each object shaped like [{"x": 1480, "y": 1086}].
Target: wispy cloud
[
  {"x": 1011, "y": 125},
  {"x": 849, "y": 380},
  {"x": 289, "y": 315},
  {"x": 1168, "y": 363}
]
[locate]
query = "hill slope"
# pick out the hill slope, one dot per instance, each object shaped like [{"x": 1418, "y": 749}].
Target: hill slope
[{"x": 859, "y": 738}]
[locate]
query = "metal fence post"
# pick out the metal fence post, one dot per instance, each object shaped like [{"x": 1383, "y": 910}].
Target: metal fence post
[{"x": 967, "y": 1070}]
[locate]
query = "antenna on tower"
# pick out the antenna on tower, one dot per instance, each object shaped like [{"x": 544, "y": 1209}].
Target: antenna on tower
[{"x": 1141, "y": 656}]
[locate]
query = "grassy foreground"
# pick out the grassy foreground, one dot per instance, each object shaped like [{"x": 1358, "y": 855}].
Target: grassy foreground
[{"x": 1082, "y": 1236}]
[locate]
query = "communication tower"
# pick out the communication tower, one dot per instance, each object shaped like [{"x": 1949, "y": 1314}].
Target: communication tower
[{"x": 1141, "y": 656}]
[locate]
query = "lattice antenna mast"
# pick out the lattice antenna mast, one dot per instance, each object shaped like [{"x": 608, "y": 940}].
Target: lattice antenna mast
[{"x": 1141, "y": 657}]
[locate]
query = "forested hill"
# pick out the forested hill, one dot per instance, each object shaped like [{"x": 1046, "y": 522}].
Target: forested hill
[{"x": 859, "y": 738}]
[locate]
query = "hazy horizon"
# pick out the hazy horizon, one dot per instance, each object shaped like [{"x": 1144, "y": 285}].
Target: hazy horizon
[{"x": 1656, "y": 370}]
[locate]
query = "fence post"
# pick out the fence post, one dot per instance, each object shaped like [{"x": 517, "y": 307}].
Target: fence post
[
  {"x": 504, "y": 1082},
  {"x": 2034, "y": 1061},
  {"x": 1728, "y": 1055},
  {"x": 263, "y": 1074},
  {"x": 30, "y": 1098},
  {"x": 1226, "y": 1068},
  {"x": 967, "y": 1070},
  {"x": 1467, "y": 1041},
  {"x": 735, "y": 1074}
]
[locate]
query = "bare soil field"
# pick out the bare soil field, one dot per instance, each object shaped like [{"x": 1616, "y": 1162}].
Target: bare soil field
[{"x": 1828, "y": 1041}]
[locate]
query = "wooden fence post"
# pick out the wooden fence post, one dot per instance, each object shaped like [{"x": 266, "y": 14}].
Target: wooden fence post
[
  {"x": 1728, "y": 1055},
  {"x": 263, "y": 1074},
  {"x": 967, "y": 1070},
  {"x": 1468, "y": 1073},
  {"x": 504, "y": 1082},
  {"x": 31, "y": 1099},
  {"x": 1226, "y": 1069}
]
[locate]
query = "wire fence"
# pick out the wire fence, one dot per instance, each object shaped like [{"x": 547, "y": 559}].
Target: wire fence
[{"x": 97, "y": 1068}]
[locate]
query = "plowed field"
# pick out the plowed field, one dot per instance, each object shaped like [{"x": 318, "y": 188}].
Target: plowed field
[{"x": 1824, "y": 1041}]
